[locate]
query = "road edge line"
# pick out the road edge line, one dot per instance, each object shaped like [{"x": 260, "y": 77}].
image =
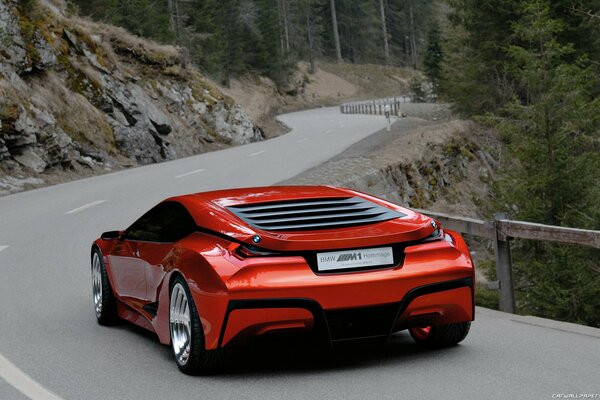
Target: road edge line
[{"x": 23, "y": 382}]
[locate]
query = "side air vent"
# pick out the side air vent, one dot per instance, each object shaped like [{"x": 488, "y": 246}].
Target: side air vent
[{"x": 312, "y": 214}]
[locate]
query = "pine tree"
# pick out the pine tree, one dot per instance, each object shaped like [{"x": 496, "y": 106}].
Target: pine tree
[
  {"x": 550, "y": 128},
  {"x": 432, "y": 62},
  {"x": 336, "y": 33},
  {"x": 149, "y": 18}
]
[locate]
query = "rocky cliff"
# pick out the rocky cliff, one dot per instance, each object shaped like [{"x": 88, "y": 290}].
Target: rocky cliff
[{"x": 78, "y": 97}]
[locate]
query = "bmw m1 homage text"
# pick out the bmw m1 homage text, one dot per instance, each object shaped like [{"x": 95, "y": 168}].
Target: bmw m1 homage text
[{"x": 205, "y": 270}]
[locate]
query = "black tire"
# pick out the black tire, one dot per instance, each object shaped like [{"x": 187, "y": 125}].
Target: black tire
[
  {"x": 443, "y": 335},
  {"x": 106, "y": 310},
  {"x": 200, "y": 361}
]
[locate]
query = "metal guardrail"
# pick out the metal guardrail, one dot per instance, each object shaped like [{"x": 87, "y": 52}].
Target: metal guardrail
[
  {"x": 501, "y": 230},
  {"x": 376, "y": 107}
]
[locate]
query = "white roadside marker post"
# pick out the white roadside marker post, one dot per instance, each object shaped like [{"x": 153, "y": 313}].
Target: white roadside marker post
[{"x": 387, "y": 115}]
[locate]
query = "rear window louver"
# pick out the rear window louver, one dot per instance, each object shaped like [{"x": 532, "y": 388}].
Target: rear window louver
[{"x": 313, "y": 214}]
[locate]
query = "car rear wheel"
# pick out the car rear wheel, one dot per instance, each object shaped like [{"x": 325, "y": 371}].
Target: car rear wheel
[
  {"x": 440, "y": 336},
  {"x": 105, "y": 306},
  {"x": 187, "y": 336}
]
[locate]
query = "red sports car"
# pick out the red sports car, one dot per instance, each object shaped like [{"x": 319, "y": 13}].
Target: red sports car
[{"x": 206, "y": 269}]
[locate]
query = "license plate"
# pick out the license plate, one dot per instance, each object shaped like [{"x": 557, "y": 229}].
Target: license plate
[{"x": 348, "y": 259}]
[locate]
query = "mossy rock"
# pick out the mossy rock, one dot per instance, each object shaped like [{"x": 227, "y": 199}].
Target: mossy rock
[{"x": 9, "y": 113}]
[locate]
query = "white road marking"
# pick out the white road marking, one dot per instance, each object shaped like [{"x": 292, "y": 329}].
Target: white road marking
[
  {"x": 190, "y": 173},
  {"x": 23, "y": 382},
  {"x": 3, "y": 248},
  {"x": 85, "y": 206},
  {"x": 257, "y": 153},
  {"x": 302, "y": 140},
  {"x": 329, "y": 131}
]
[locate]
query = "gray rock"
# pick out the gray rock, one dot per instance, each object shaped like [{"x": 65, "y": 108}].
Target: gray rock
[
  {"x": 13, "y": 78},
  {"x": 170, "y": 93},
  {"x": 72, "y": 39},
  {"x": 44, "y": 118},
  {"x": 138, "y": 143},
  {"x": 4, "y": 153},
  {"x": 120, "y": 117},
  {"x": 139, "y": 125},
  {"x": 12, "y": 45},
  {"x": 88, "y": 161},
  {"x": 82, "y": 48},
  {"x": 59, "y": 148},
  {"x": 243, "y": 129},
  {"x": 199, "y": 107},
  {"x": 10, "y": 184},
  {"x": 30, "y": 159},
  {"x": 93, "y": 60},
  {"x": 22, "y": 134},
  {"x": 153, "y": 118},
  {"x": 47, "y": 58},
  {"x": 233, "y": 125}
]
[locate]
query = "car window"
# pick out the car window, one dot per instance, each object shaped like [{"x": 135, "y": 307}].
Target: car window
[{"x": 167, "y": 222}]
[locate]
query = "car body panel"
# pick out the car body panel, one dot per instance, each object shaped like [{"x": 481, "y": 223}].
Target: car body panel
[
  {"x": 208, "y": 210},
  {"x": 237, "y": 297}
]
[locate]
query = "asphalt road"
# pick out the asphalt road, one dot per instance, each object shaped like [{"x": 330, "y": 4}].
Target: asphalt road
[{"x": 51, "y": 344}]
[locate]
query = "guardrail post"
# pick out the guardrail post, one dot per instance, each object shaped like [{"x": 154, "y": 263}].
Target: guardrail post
[{"x": 504, "y": 268}]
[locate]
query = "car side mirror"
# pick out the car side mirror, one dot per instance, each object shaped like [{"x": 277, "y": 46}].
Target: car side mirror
[{"x": 110, "y": 235}]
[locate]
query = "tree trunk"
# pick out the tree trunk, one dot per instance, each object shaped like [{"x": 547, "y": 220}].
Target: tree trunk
[
  {"x": 286, "y": 26},
  {"x": 413, "y": 38},
  {"x": 175, "y": 18},
  {"x": 386, "y": 45},
  {"x": 311, "y": 58},
  {"x": 172, "y": 16},
  {"x": 336, "y": 34},
  {"x": 281, "y": 29}
]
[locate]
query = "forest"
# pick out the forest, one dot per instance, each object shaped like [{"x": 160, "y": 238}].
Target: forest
[
  {"x": 232, "y": 37},
  {"x": 527, "y": 69}
]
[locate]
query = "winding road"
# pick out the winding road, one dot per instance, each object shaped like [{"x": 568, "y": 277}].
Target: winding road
[{"x": 52, "y": 348}]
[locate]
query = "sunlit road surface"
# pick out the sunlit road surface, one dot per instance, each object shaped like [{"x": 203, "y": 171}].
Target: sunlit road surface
[{"x": 52, "y": 348}]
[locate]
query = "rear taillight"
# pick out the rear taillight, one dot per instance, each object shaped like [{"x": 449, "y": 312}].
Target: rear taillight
[
  {"x": 246, "y": 251},
  {"x": 449, "y": 239},
  {"x": 436, "y": 235}
]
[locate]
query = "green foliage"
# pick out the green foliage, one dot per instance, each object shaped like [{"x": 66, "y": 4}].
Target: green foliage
[
  {"x": 485, "y": 297},
  {"x": 559, "y": 282},
  {"x": 28, "y": 7},
  {"x": 540, "y": 91},
  {"x": 432, "y": 61},
  {"x": 551, "y": 126},
  {"x": 402, "y": 28},
  {"x": 360, "y": 31},
  {"x": 148, "y": 18},
  {"x": 233, "y": 37},
  {"x": 417, "y": 91},
  {"x": 473, "y": 73}
]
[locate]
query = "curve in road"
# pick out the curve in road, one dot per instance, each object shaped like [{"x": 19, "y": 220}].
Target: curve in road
[{"x": 49, "y": 334}]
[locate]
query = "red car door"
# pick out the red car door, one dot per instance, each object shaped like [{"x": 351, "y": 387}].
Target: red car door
[
  {"x": 128, "y": 270},
  {"x": 153, "y": 255},
  {"x": 139, "y": 257}
]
